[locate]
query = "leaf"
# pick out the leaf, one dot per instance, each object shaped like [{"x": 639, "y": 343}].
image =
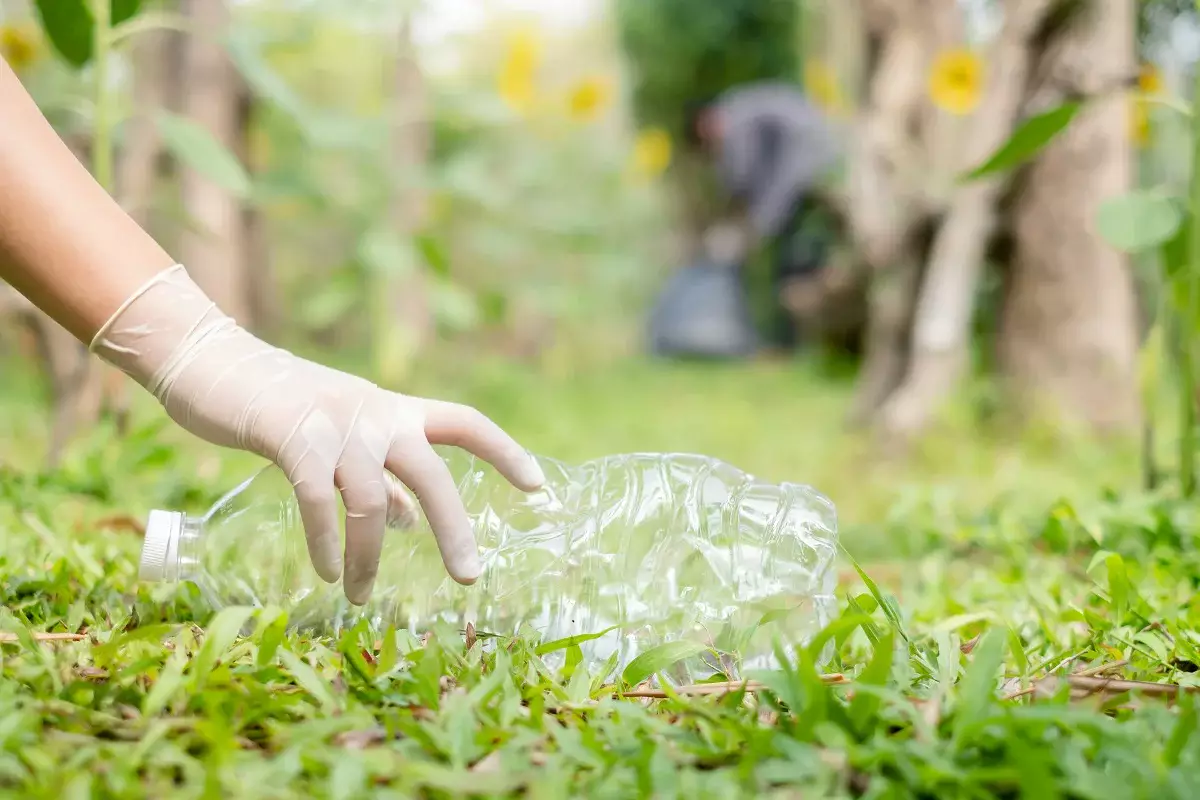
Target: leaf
[
  {"x": 169, "y": 681},
  {"x": 1139, "y": 220},
  {"x": 220, "y": 635},
  {"x": 385, "y": 253},
  {"x": 562, "y": 644},
  {"x": 977, "y": 688},
  {"x": 1026, "y": 141},
  {"x": 271, "y": 638},
  {"x": 865, "y": 705},
  {"x": 308, "y": 679},
  {"x": 71, "y": 28},
  {"x": 1118, "y": 587},
  {"x": 658, "y": 659},
  {"x": 196, "y": 147}
]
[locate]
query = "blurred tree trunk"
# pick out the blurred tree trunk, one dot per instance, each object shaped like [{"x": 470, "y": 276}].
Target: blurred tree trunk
[
  {"x": 212, "y": 243},
  {"x": 403, "y": 317},
  {"x": 1068, "y": 340},
  {"x": 941, "y": 327},
  {"x": 262, "y": 293},
  {"x": 899, "y": 143}
]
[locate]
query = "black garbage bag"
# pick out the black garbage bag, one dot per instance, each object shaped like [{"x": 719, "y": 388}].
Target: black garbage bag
[{"x": 703, "y": 312}]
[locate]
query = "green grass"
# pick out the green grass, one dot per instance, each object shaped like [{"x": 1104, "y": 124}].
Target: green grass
[{"x": 996, "y": 562}]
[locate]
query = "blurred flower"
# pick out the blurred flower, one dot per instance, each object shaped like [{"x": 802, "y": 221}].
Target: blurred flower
[
  {"x": 588, "y": 98},
  {"x": 517, "y": 80},
  {"x": 1150, "y": 80},
  {"x": 19, "y": 45},
  {"x": 1150, "y": 84},
  {"x": 821, "y": 83},
  {"x": 651, "y": 153},
  {"x": 956, "y": 81}
]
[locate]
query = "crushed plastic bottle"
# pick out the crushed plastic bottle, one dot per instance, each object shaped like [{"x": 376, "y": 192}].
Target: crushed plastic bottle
[{"x": 643, "y": 548}]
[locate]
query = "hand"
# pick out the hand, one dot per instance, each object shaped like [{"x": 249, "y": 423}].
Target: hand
[
  {"x": 726, "y": 243},
  {"x": 325, "y": 429}
]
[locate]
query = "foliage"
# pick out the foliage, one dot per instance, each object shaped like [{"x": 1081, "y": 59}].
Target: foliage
[
  {"x": 70, "y": 25},
  {"x": 941, "y": 653},
  {"x": 683, "y": 52}
]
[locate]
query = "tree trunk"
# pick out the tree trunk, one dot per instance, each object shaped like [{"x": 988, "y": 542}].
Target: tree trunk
[
  {"x": 899, "y": 142},
  {"x": 1068, "y": 341},
  {"x": 262, "y": 293},
  {"x": 403, "y": 316},
  {"x": 211, "y": 245},
  {"x": 942, "y": 324}
]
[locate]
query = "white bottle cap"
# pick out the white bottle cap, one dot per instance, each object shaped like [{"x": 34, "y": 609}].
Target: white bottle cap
[{"x": 160, "y": 548}]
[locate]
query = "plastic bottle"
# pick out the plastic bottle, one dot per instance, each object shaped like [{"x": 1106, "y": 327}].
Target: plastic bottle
[{"x": 647, "y": 548}]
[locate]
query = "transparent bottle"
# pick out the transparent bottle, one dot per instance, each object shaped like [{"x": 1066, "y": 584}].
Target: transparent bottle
[{"x": 646, "y": 548}]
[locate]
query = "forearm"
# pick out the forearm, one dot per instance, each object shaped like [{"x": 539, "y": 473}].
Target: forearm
[{"x": 64, "y": 242}]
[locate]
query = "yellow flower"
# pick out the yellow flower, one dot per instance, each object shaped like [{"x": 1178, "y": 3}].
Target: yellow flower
[
  {"x": 588, "y": 99},
  {"x": 517, "y": 80},
  {"x": 956, "y": 81},
  {"x": 1150, "y": 80},
  {"x": 821, "y": 83},
  {"x": 1150, "y": 84},
  {"x": 651, "y": 153},
  {"x": 18, "y": 46}
]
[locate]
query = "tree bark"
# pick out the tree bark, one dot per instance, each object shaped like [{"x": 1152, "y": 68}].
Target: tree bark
[
  {"x": 1068, "y": 341},
  {"x": 211, "y": 245},
  {"x": 255, "y": 252},
  {"x": 942, "y": 324},
  {"x": 900, "y": 143}
]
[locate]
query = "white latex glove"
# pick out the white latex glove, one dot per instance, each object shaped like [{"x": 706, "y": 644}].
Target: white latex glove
[{"x": 327, "y": 430}]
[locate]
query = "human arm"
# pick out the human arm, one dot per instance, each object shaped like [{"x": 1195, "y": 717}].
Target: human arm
[
  {"x": 68, "y": 247},
  {"x": 61, "y": 235}
]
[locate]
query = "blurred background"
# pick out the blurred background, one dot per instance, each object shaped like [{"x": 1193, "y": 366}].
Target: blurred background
[{"x": 499, "y": 202}]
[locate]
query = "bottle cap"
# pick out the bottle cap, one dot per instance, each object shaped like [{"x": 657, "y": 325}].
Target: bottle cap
[{"x": 160, "y": 548}]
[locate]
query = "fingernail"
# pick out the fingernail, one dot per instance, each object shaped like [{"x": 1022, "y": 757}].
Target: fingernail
[{"x": 531, "y": 474}]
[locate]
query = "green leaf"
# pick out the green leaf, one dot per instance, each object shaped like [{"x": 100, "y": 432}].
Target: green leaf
[
  {"x": 198, "y": 149},
  {"x": 570, "y": 641},
  {"x": 271, "y": 638},
  {"x": 70, "y": 26},
  {"x": 308, "y": 679},
  {"x": 1118, "y": 587},
  {"x": 865, "y": 705},
  {"x": 658, "y": 659},
  {"x": 218, "y": 638},
  {"x": 977, "y": 687},
  {"x": 169, "y": 681},
  {"x": 384, "y": 252},
  {"x": 1026, "y": 141},
  {"x": 1139, "y": 220}
]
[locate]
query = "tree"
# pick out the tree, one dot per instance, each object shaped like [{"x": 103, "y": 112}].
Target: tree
[
  {"x": 213, "y": 243},
  {"x": 1068, "y": 335}
]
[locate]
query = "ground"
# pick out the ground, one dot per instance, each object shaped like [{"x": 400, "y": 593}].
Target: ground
[{"x": 995, "y": 563}]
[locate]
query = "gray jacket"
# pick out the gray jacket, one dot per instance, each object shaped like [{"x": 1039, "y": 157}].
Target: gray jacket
[{"x": 775, "y": 147}]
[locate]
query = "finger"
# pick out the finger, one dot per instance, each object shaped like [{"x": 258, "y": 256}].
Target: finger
[
  {"x": 360, "y": 479},
  {"x": 462, "y": 426},
  {"x": 319, "y": 512},
  {"x": 402, "y": 512},
  {"x": 414, "y": 462}
]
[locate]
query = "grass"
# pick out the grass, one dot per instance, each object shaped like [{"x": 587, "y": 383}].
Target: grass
[{"x": 991, "y": 566}]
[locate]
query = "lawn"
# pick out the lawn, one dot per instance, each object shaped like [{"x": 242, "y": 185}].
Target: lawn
[{"x": 1028, "y": 627}]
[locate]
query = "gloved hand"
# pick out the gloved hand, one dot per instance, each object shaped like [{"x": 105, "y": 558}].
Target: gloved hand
[
  {"x": 325, "y": 429},
  {"x": 726, "y": 243}
]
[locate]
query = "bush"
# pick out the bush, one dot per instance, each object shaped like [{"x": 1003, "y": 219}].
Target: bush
[{"x": 682, "y": 51}]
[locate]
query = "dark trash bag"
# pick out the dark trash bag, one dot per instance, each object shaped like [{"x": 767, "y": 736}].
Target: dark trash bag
[{"x": 703, "y": 312}]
